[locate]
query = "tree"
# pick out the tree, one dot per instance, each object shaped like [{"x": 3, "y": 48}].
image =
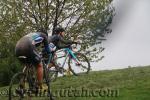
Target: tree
[{"x": 86, "y": 20}]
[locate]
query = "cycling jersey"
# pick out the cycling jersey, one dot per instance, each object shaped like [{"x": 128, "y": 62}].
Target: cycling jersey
[
  {"x": 59, "y": 42},
  {"x": 26, "y": 46},
  {"x": 38, "y": 38}
]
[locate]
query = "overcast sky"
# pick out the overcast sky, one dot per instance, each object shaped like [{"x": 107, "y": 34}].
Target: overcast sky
[{"x": 129, "y": 43}]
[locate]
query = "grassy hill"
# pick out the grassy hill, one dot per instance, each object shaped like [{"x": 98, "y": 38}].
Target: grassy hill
[{"x": 122, "y": 84}]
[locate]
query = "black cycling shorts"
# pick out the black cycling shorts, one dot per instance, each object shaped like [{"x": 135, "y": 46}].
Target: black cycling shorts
[{"x": 25, "y": 48}]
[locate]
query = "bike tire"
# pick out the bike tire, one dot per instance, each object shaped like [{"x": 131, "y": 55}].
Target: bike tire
[
  {"x": 48, "y": 82},
  {"x": 13, "y": 82},
  {"x": 27, "y": 86},
  {"x": 74, "y": 69}
]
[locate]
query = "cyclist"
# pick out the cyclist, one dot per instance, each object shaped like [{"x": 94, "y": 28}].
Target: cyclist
[
  {"x": 58, "y": 39},
  {"x": 26, "y": 47}
]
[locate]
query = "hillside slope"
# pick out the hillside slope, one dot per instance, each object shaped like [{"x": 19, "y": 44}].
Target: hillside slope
[{"x": 124, "y": 84}]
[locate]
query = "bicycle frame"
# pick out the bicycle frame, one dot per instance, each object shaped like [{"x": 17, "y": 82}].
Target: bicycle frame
[
  {"x": 29, "y": 67},
  {"x": 50, "y": 57},
  {"x": 46, "y": 64},
  {"x": 70, "y": 54}
]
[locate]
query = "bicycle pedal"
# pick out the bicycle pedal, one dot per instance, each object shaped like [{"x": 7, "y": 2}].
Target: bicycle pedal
[
  {"x": 60, "y": 70},
  {"x": 67, "y": 72},
  {"x": 78, "y": 64},
  {"x": 20, "y": 92}
]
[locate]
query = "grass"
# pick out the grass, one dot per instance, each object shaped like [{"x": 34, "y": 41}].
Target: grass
[{"x": 124, "y": 84}]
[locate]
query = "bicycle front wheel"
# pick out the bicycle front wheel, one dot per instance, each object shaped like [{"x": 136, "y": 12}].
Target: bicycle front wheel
[{"x": 82, "y": 67}]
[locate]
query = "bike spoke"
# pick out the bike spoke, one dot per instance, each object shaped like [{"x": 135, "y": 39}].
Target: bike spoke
[{"x": 81, "y": 65}]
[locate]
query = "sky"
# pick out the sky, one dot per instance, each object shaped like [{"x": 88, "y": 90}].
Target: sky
[{"x": 129, "y": 42}]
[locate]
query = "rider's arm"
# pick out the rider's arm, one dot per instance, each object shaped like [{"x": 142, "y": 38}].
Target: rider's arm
[
  {"x": 67, "y": 42},
  {"x": 60, "y": 46},
  {"x": 45, "y": 41},
  {"x": 64, "y": 43}
]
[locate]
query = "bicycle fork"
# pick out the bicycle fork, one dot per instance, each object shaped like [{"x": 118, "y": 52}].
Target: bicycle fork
[{"x": 74, "y": 57}]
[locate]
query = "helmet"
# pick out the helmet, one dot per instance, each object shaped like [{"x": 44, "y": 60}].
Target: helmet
[{"x": 58, "y": 29}]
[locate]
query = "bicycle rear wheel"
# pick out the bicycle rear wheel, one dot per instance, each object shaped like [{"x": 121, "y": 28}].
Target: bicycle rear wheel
[
  {"x": 23, "y": 86},
  {"x": 16, "y": 87},
  {"x": 48, "y": 83},
  {"x": 83, "y": 67}
]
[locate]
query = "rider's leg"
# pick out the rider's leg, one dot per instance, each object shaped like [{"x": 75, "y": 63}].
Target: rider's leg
[
  {"x": 40, "y": 74},
  {"x": 39, "y": 67}
]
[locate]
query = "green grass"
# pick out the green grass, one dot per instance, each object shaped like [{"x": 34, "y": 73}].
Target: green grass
[{"x": 126, "y": 84}]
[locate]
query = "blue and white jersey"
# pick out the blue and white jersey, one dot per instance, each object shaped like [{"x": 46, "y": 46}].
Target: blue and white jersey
[{"x": 38, "y": 38}]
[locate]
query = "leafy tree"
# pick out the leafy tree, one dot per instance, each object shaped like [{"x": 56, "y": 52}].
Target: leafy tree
[{"x": 85, "y": 20}]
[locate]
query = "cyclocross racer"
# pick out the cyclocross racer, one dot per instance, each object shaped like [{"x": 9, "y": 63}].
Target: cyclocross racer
[{"x": 26, "y": 47}]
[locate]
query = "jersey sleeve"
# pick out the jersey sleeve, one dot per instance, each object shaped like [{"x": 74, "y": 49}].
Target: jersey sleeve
[
  {"x": 67, "y": 42},
  {"x": 45, "y": 41},
  {"x": 64, "y": 43}
]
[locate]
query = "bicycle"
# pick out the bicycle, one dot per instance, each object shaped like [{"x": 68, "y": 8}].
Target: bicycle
[
  {"x": 77, "y": 63},
  {"x": 24, "y": 85}
]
